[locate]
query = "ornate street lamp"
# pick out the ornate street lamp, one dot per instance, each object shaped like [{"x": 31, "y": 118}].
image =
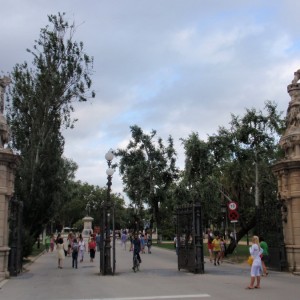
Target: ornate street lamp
[{"x": 107, "y": 209}]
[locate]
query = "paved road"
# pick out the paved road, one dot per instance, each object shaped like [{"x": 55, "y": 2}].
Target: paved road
[{"x": 157, "y": 279}]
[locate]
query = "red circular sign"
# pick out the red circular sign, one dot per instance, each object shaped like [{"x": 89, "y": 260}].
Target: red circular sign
[{"x": 233, "y": 215}]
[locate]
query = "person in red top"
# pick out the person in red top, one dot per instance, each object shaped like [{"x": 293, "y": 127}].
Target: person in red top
[
  {"x": 92, "y": 249},
  {"x": 210, "y": 245}
]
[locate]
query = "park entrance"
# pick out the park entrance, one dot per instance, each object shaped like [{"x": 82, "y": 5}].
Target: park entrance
[{"x": 190, "y": 237}]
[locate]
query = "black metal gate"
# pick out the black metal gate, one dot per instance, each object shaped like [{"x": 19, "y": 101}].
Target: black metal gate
[
  {"x": 15, "y": 237},
  {"x": 190, "y": 237},
  {"x": 269, "y": 226}
]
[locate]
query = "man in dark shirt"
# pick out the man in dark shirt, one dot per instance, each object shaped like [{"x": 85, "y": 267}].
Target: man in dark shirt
[{"x": 137, "y": 247}]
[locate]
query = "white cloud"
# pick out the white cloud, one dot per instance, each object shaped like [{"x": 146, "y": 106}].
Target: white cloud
[{"x": 174, "y": 66}]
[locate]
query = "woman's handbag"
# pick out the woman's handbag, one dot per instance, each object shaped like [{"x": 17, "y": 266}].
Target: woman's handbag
[{"x": 250, "y": 260}]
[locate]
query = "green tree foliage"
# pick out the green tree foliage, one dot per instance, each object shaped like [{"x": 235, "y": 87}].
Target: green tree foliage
[
  {"x": 40, "y": 104},
  {"x": 148, "y": 170},
  {"x": 243, "y": 157},
  {"x": 236, "y": 162}
]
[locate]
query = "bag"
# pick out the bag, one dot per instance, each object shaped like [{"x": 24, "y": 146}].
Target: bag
[
  {"x": 250, "y": 260},
  {"x": 75, "y": 247}
]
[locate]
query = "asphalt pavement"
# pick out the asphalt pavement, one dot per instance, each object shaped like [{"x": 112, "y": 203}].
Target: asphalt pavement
[{"x": 158, "y": 278}]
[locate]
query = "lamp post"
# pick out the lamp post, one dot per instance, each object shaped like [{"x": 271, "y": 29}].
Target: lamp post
[{"x": 107, "y": 252}]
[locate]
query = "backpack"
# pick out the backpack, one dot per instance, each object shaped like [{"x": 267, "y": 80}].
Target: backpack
[{"x": 75, "y": 247}]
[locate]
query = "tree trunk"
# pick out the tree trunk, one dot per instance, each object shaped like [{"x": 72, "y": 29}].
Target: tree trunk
[{"x": 241, "y": 233}]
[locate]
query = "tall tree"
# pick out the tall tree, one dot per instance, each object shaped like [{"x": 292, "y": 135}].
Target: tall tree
[
  {"x": 148, "y": 169},
  {"x": 40, "y": 104},
  {"x": 243, "y": 158}
]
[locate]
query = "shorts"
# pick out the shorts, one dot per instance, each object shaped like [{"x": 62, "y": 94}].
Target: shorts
[{"x": 255, "y": 270}]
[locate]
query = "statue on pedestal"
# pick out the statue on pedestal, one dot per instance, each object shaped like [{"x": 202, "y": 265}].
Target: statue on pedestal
[{"x": 4, "y": 130}]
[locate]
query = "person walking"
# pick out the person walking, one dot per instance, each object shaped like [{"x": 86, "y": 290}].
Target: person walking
[
  {"x": 92, "y": 249},
  {"x": 82, "y": 248},
  {"x": 47, "y": 243},
  {"x": 98, "y": 240},
  {"x": 210, "y": 245},
  {"x": 265, "y": 256},
  {"x": 255, "y": 251},
  {"x": 216, "y": 243},
  {"x": 60, "y": 250},
  {"x": 75, "y": 248},
  {"x": 176, "y": 244},
  {"x": 124, "y": 239},
  {"x": 52, "y": 243},
  {"x": 223, "y": 248},
  {"x": 149, "y": 244},
  {"x": 142, "y": 239}
]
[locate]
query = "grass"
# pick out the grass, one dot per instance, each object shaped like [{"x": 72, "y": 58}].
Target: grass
[
  {"x": 35, "y": 251},
  {"x": 239, "y": 255}
]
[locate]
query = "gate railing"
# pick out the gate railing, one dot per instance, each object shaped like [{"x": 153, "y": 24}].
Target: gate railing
[{"x": 190, "y": 237}]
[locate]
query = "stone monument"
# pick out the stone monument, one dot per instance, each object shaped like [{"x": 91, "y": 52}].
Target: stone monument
[
  {"x": 8, "y": 162},
  {"x": 287, "y": 172},
  {"x": 87, "y": 227}
]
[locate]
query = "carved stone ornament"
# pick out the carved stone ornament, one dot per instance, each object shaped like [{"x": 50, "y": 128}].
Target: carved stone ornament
[
  {"x": 4, "y": 129},
  {"x": 290, "y": 141}
]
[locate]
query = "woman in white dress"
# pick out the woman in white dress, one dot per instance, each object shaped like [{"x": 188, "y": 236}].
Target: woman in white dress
[
  {"x": 60, "y": 250},
  {"x": 256, "y": 252}
]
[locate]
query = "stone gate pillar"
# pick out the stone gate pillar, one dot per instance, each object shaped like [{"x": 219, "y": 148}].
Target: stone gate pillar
[
  {"x": 287, "y": 172},
  {"x": 7, "y": 168}
]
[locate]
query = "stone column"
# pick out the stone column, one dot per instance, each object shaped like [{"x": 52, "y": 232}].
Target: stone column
[
  {"x": 8, "y": 163},
  {"x": 287, "y": 172}
]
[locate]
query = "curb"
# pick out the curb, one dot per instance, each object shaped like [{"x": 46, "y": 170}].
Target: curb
[{"x": 32, "y": 259}]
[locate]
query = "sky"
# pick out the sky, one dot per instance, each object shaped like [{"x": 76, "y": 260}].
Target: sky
[{"x": 175, "y": 66}]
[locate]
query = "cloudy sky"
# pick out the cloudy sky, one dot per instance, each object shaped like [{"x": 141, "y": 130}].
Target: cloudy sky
[{"x": 176, "y": 66}]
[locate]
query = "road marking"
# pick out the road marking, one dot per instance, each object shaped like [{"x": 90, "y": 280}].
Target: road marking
[{"x": 155, "y": 297}]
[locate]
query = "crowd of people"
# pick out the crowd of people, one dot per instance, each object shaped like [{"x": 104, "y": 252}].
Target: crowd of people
[
  {"x": 258, "y": 251},
  {"x": 75, "y": 246}
]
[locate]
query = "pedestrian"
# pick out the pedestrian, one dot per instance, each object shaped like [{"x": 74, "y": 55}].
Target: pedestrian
[
  {"x": 149, "y": 244},
  {"x": 52, "y": 243},
  {"x": 47, "y": 242},
  {"x": 124, "y": 239},
  {"x": 70, "y": 242},
  {"x": 92, "y": 249},
  {"x": 216, "y": 243},
  {"x": 176, "y": 244},
  {"x": 75, "y": 248},
  {"x": 142, "y": 239},
  {"x": 131, "y": 242},
  {"x": 210, "y": 245},
  {"x": 265, "y": 256},
  {"x": 98, "y": 239},
  {"x": 255, "y": 251},
  {"x": 223, "y": 248},
  {"x": 60, "y": 250},
  {"x": 82, "y": 248}
]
